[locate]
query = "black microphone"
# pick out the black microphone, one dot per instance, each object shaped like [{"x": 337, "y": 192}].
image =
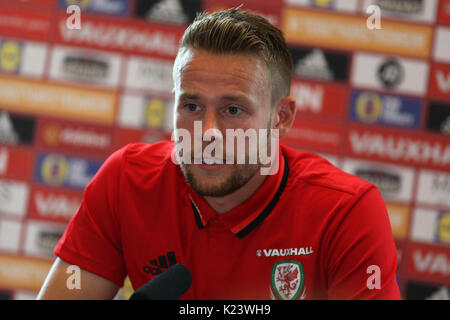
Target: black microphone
[{"x": 169, "y": 285}]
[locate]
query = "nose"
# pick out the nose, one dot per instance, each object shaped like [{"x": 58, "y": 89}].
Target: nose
[
  {"x": 210, "y": 125},
  {"x": 209, "y": 120}
]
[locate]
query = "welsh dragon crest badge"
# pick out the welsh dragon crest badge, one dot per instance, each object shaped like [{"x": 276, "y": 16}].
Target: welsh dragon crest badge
[{"x": 287, "y": 280}]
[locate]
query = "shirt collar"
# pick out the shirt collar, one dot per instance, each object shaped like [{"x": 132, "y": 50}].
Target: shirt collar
[{"x": 248, "y": 215}]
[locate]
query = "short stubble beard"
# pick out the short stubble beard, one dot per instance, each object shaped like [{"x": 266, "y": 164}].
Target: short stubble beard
[{"x": 240, "y": 175}]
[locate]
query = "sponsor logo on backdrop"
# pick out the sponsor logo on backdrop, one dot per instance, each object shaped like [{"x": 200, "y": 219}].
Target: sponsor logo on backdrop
[
  {"x": 320, "y": 98},
  {"x": 24, "y": 273},
  {"x": 82, "y": 65},
  {"x": 24, "y": 22},
  {"x": 318, "y": 64},
  {"x": 149, "y": 74},
  {"x": 47, "y": 240},
  {"x": 128, "y": 36},
  {"x": 387, "y": 182},
  {"x": 315, "y": 135},
  {"x": 431, "y": 226},
  {"x": 339, "y": 5},
  {"x": 438, "y": 119},
  {"x": 55, "y": 169},
  {"x": 41, "y": 237},
  {"x": 434, "y": 188},
  {"x": 16, "y": 163},
  {"x": 13, "y": 197},
  {"x": 9, "y": 235},
  {"x": 442, "y": 44},
  {"x": 443, "y": 227},
  {"x": 155, "y": 111},
  {"x": 440, "y": 81},
  {"x": 414, "y": 10},
  {"x": 391, "y": 73},
  {"x": 10, "y": 56},
  {"x": 168, "y": 11},
  {"x": 429, "y": 262},
  {"x": 53, "y": 204},
  {"x": 374, "y": 108},
  {"x": 399, "y": 147},
  {"x": 145, "y": 112},
  {"x": 75, "y": 137},
  {"x": 65, "y": 171},
  {"x": 351, "y": 33},
  {"x": 85, "y": 67},
  {"x": 57, "y": 100},
  {"x": 384, "y": 73},
  {"x": 400, "y": 6},
  {"x": 111, "y": 7},
  {"x": 26, "y": 58},
  {"x": 309, "y": 97},
  {"x": 16, "y": 129},
  {"x": 393, "y": 182},
  {"x": 399, "y": 218},
  {"x": 444, "y": 12},
  {"x": 423, "y": 291}
]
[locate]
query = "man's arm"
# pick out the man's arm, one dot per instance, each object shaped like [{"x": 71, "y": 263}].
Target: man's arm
[
  {"x": 92, "y": 241},
  {"x": 362, "y": 239},
  {"x": 92, "y": 286}
]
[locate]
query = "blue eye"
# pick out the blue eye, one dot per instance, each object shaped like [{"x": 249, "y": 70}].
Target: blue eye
[
  {"x": 233, "y": 110},
  {"x": 192, "y": 107}
]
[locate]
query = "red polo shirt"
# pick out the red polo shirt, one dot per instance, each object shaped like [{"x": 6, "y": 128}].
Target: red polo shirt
[{"x": 310, "y": 231}]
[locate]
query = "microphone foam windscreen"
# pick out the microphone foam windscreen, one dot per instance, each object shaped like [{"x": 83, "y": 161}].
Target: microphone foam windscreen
[{"x": 169, "y": 285}]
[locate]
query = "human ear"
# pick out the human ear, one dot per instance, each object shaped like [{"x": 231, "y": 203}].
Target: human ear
[{"x": 285, "y": 115}]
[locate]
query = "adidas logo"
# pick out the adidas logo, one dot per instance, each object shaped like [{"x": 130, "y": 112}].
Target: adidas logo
[
  {"x": 168, "y": 11},
  {"x": 156, "y": 266},
  {"x": 7, "y": 133},
  {"x": 445, "y": 127},
  {"x": 442, "y": 294},
  {"x": 314, "y": 65}
]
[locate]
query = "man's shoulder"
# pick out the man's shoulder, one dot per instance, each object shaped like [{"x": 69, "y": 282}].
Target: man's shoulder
[
  {"x": 155, "y": 154},
  {"x": 143, "y": 161},
  {"x": 314, "y": 170}
]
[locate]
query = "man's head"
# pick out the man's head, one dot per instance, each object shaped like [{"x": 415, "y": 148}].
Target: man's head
[
  {"x": 232, "y": 71},
  {"x": 238, "y": 32}
]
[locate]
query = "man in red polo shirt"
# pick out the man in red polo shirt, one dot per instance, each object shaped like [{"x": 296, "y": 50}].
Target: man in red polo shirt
[{"x": 307, "y": 230}]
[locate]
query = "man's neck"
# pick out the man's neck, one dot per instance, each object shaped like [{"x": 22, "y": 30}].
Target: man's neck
[{"x": 232, "y": 200}]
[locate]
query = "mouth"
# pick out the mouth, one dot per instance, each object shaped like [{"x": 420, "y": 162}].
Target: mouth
[{"x": 209, "y": 164}]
